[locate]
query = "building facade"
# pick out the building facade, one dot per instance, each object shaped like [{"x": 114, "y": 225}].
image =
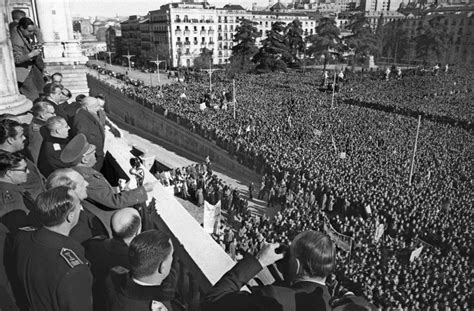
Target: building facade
[
  {"x": 178, "y": 32},
  {"x": 458, "y": 22}
]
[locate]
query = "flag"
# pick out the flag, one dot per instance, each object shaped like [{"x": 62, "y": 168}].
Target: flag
[{"x": 416, "y": 253}]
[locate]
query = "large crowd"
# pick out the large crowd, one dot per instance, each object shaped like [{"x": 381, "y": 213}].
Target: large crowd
[
  {"x": 329, "y": 161},
  {"x": 356, "y": 161}
]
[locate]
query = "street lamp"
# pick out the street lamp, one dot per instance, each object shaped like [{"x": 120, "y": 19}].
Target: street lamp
[
  {"x": 157, "y": 62},
  {"x": 110, "y": 56},
  {"x": 210, "y": 71},
  {"x": 128, "y": 56}
]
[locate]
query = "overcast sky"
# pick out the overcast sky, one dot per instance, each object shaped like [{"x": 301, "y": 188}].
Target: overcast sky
[{"x": 111, "y": 8}]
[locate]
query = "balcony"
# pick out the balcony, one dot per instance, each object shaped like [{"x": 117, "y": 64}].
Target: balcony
[
  {"x": 178, "y": 32},
  {"x": 210, "y": 32},
  {"x": 178, "y": 20},
  {"x": 203, "y": 33},
  {"x": 199, "y": 261},
  {"x": 187, "y": 42},
  {"x": 187, "y": 33},
  {"x": 203, "y": 43},
  {"x": 179, "y": 43}
]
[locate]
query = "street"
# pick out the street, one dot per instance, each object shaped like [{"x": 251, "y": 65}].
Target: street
[{"x": 148, "y": 78}]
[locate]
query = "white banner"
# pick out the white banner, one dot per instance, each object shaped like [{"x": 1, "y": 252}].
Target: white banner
[
  {"x": 211, "y": 217},
  {"x": 379, "y": 232},
  {"x": 416, "y": 253}
]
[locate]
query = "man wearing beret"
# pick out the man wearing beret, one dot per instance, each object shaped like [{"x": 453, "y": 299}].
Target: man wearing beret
[{"x": 81, "y": 157}]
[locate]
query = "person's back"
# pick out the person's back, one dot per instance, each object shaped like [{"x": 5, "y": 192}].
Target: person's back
[
  {"x": 150, "y": 280},
  {"x": 123, "y": 293},
  {"x": 48, "y": 265},
  {"x": 105, "y": 254},
  {"x": 51, "y": 268}
]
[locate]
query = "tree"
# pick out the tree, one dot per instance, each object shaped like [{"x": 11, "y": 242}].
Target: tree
[
  {"x": 204, "y": 60},
  {"x": 432, "y": 39},
  {"x": 245, "y": 49},
  {"x": 326, "y": 42},
  {"x": 363, "y": 41},
  {"x": 294, "y": 35},
  {"x": 163, "y": 53},
  {"x": 275, "y": 54},
  {"x": 396, "y": 42}
]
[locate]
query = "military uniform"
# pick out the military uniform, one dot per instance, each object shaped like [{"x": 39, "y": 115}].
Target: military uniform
[
  {"x": 34, "y": 181},
  {"x": 49, "y": 155},
  {"x": 103, "y": 198},
  {"x": 15, "y": 205},
  {"x": 52, "y": 271}
]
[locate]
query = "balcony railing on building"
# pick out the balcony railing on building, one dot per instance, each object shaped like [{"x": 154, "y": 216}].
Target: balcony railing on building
[
  {"x": 199, "y": 261},
  {"x": 203, "y": 32},
  {"x": 179, "y": 43},
  {"x": 178, "y": 32},
  {"x": 187, "y": 42},
  {"x": 187, "y": 32},
  {"x": 210, "y": 32}
]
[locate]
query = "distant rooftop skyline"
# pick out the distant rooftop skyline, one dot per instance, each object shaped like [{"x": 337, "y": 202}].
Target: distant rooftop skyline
[{"x": 112, "y": 8}]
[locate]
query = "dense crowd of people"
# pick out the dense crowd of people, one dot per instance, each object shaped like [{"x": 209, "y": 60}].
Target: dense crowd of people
[
  {"x": 330, "y": 162},
  {"x": 357, "y": 161}
]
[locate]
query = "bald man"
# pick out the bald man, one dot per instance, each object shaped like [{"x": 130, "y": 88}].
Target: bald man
[
  {"x": 52, "y": 145},
  {"x": 89, "y": 225},
  {"x": 87, "y": 122},
  {"x": 104, "y": 254}
]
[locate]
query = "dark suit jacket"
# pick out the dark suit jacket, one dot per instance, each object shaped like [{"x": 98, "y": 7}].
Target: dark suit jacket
[
  {"x": 104, "y": 254},
  {"x": 36, "y": 134},
  {"x": 226, "y": 294},
  {"x": 87, "y": 124},
  {"x": 122, "y": 293}
]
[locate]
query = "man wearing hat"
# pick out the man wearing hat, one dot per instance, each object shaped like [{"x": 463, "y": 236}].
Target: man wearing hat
[{"x": 81, "y": 157}]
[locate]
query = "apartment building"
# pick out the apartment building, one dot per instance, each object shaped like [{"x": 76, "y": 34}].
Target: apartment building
[{"x": 178, "y": 32}]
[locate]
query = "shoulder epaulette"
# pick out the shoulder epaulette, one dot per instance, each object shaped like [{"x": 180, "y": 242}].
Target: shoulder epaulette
[
  {"x": 27, "y": 229},
  {"x": 70, "y": 257},
  {"x": 119, "y": 270}
]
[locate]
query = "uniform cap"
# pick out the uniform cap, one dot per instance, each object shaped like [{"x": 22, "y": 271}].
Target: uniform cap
[{"x": 76, "y": 148}]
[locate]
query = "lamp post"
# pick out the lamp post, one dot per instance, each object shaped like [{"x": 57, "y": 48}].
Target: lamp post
[
  {"x": 128, "y": 56},
  {"x": 157, "y": 62},
  {"x": 210, "y": 71},
  {"x": 110, "y": 56}
]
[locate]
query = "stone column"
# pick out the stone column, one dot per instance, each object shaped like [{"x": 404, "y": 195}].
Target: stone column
[
  {"x": 61, "y": 52},
  {"x": 11, "y": 101}
]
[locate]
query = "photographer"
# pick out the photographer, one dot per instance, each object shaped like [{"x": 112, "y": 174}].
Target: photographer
[
  {"x": 28, "y": 59},
  {"x": 309, "y": 260}
]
